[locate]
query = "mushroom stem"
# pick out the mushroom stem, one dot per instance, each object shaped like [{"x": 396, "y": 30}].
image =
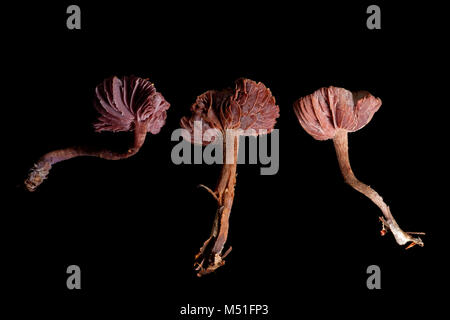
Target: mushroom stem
[
  {"x": 210, "y": 256},
  {"x": 341, "y": 145},
  {"x": 42, "y": 167}
]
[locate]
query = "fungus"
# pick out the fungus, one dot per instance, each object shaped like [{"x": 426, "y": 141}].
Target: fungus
[
  {"x": 127, "y": 104},
  {"x": 330, "y": 113},
  {"x": 248, "y": 109}
]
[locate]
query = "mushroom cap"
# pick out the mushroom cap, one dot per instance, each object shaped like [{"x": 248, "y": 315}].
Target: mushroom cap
[
  {"x": 250, "y": 105},
  {"x": 125, "y": 101},
  {"x": 328, "y": 109}
]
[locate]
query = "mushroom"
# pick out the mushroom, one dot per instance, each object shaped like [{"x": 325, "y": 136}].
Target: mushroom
[
  {"x": 127, "y": 104},
  {"x": 248, "y": 109},
  {"x": 330, "y": 113}
]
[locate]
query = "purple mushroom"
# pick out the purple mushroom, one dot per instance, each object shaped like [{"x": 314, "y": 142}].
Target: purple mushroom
[
  {"x": 125, "y": 104},
  {"x": 249, "y": 109},
  {"x": 330, "y": 113}
]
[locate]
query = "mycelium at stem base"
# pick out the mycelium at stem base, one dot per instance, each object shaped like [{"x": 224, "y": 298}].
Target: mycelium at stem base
[
  {"x": 341, "y": 145},
  {"x": 41, "y": 169},
  {"x": 210, "y": 256}
]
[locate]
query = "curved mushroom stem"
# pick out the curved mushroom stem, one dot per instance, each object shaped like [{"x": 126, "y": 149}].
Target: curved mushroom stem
[
  {"x": 42, "y": 168},
  {"x": 210, "y": 256},
  {"x": 341, "y": 145}
]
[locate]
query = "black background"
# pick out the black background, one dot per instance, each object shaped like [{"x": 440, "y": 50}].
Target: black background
[{"x": 302, "y": 239}]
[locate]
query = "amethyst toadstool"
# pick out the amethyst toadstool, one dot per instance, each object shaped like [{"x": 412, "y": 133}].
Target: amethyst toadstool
[
  {"x": 247, "y": 109},
  {"x": 127, "y": 104},
  {"x": 330, "y": 113}
]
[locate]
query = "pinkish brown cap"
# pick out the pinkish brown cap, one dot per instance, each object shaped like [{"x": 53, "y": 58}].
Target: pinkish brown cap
[
  {"x": 250, "y": 105},
  {"x": 123, "y": 102},
  {"x": 328, "y": 109}
]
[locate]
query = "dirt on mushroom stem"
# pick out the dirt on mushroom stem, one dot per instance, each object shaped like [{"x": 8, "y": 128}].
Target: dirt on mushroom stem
[
  {"x": 210, "y": 256},
  {"x": 340, "y": 141}
]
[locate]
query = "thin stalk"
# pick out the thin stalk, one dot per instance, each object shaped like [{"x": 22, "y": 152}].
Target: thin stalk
[
  {"x": 210, "y": 256},
  {"x": 341, "y": 145},
  {"x": 42, "y": 167}
]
